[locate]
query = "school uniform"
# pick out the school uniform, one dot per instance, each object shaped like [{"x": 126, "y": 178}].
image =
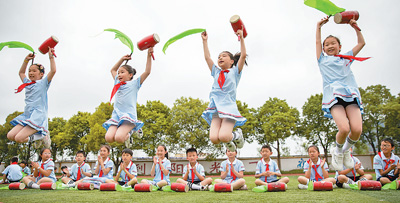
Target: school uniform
[
  {"x": 108, "y": 163},
  {"x": 338, "y": 82},
  {"x": 159, "y": 175},
  {"x": 382, "y": 162},
  {"x": 352, "y": 174},
  {"x": 125, "y": 105},
  {"x": 272, "y": 166},
  {"x": 316, "y": 170},
  {"x": 47, "y": 165},
  {"x": 131, "y": 168},
  {"x": 192, "y": 177},
  {"x": 237, "y": 165},
  {"x": 35, "y": 112},
  {"x": 76, "y": 171},
  {"x": 223, "y": 100},
  {"x": 27, "y": 170},
  {"x": 13, "y": 172}
]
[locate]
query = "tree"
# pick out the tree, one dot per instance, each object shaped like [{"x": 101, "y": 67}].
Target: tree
[
  {"x": 58, "y": 140},
  {"x": 374, "y": 98},
  {"x": 392, "y": 121},
  {"x": 76, "y": 128},
  {"x": 317, "y": 129},
  {"x": 276, "y": 122},
  {"x": 249, "y": 128}
]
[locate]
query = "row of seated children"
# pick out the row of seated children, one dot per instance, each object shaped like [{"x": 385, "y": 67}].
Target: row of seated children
[{"x": 15, "y": 172}]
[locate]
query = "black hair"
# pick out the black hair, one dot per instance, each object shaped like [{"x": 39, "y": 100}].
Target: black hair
[
  {"x": 266, "y": 147},
  {"x": 41, "y": 153},
  {"x": 14, "y": 159},
  {"x": 129, "y": 69},
  {"x": 24, "y": 162},
  {"x": 81, "y": 152},
  {"x": 107, "y": 147},
  {"x": 191, "y": 150},
  {"x": 127, "y": 151},
  {"x": 314, "y": 147},
  {"x": 388, "y": 140},
  {"x": 165, "y": 148},
  {"x": 40, "y": 67},
  {"x": 62, "y": 168},
  {"x": 235, "y": 58},
  {"x": 227, "y": 150}
]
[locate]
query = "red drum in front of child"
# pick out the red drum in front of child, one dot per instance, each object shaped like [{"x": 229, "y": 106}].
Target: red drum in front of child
[
  {"x": 369, "y": 185},
  {"x": 277, "y": 186},
  {"x": 223, "y": 187},
  {"x": 179, "y": 187},
  {"x": 48, "y": 186},
  {"x": 85, "y": 186},
  {"x": 142, "y": 187},
  {"x": 108, "y": 187},
  {"x": 323, "y": 186},
  {"x": 16, "y": 186}
]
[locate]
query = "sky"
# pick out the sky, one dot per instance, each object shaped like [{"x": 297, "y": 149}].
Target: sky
[{"x": 280, "y": 47}]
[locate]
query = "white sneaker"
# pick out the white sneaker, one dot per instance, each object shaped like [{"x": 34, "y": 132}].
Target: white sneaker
[
  {"x": 128, "y": 142},
  {"x": 347, "y": 186},
  {"x": 244, "y": 187},
  {"x": 239, "y": 141},
  {"x": 302, "y": 187},
  {"x": 44, "y": 142},
  {"x": 231, "y": 146},
  {"x": 337, "y": 160},
  {"x": 348, "y": 161}
]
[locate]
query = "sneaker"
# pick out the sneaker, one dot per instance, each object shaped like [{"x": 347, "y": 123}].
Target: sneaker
[
  {"x": 348, "y": 161},
  {"x": 337, "y": 160},
  {"x": 231, "y": 146},
  {"x": 71, "y": 185},
  {"x": 205, "y": 188},
  {"x": 347, "y": 186},
  {"x": 239, "y": 141},
  {"x": 302, "y": 187},
  {"x": 244, "y": 187},
  {"x": 126, "y": 185},
  {"x": 139, "y": 133},
  {"x": 45, "y": 141},
  {"x": 128, "y": 142}
]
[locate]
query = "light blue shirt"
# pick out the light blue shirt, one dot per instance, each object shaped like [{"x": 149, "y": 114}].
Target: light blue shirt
[
  {"x": 379, "y": 163},
  {"x": 13, "y": 172},
  {"x": 74, "y": 170},
  {"x": 167, "y": 165},
  {"x": 26, "y": 170},
  {"x": 319, "y": 169},
  {"x": 107, "y": 164},
  {"x": 47, "y": 165},
  {"x": 261, "y": 168},
  {"x": 199, "y": 169},
  {"x": 237, "y": 165},
  {"x": 131, "y": 169}
]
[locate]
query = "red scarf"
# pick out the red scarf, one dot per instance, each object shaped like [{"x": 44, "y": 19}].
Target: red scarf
[
  {"x": 266, "y": 169},
  {"x": 352, "y": 171},
  {"x": 14, "y": 163},
  {"x": 21, "y": 87},
  {"x": 101, "y": 170},
  {"x": 351, "y": 58},
  {"x": 162, "y": 174},
  {"x": 115, "y": 89},
  {"x": 386, "y": 161},
  {"x": 232, "y": 174},
  {"x": 42, "y": 166},
  {"x": 317, "y": 176},
  {"x": 221, "y": 78},
  {"x": 78, "y": 176},
  {"x": 127, "y": 168}
]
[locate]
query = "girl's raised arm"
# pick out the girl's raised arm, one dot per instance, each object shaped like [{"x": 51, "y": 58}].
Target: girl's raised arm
[
  {"x": 53, "y": 69},
  {"x": 22, "y": 70},
  {"x": 243, "y": 54},
  {"x": 360, "y": 38},
  {"x": 207, "y": 56},
  {"x": 114, "y": 69},
  {"x": 318, "y": 35},
  {"x": 146, "y": 72}
]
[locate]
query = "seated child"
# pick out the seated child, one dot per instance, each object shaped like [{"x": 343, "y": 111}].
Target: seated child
[
  {"x": 78, "y": 170},
  {"x": 43, "y": 171},
  {"x": 348, "y": 175},
  {"x": 13, "y": 172},
  {"x": 386, "y": 163},
  {"x": 25, "y": 167},
  {"x": 232, "y": 171},
  {"x": 313, "y": 170},
  {"x": 161, "y": 168},
  {"x": 104, "y": 167},
  {"x": 127, "y": 170},
  {"x": 193, "y": 172},
  {"x": 267, "y": 170}
]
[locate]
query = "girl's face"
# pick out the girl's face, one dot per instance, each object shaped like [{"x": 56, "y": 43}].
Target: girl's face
[
  {"x": 34, "y": 73},
  {"x": 45, "y": 155},
  {"x": 124, "y": 75},
  {"x": 104, "y": 152},
  {"x": 225, "y": 61},
  {"x": 161, "y": 152},
  {"x": 313, "y": 153},
  {"x": 332, "y": 46},
  {"x": 230, "y": 154}
]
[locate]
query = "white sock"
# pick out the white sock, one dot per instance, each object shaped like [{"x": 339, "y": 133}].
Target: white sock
[
  {"x": 350, "y": 181},
  {"x": 339, "y": 148},
  {"x": 196, "y": 187},
  {"x": 35, "y": 186},
  {"x": 348, "y": 144}
]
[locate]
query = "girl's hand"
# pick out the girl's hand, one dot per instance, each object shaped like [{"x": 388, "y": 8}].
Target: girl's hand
[
  {"x": 150, "y": 51},
  {"x": 204, "y": 36},
  {"x": 323, "y": 163},
  {"x": 35, "y": 165},
  {"x": 322, "y": 21},
  {"x": 51, "y": 53},
  {"x": 29, "y": 57},
  {"x": 126, "y": 57},
  {"x": 227, "y": 167},
  {"x": 353, "y": 23},
  {"x": 99, "y": 159},
  {"x": 357, "y": 166},
  {"x": 240, "y": 32},
  {"x": 155, "y": 160}
]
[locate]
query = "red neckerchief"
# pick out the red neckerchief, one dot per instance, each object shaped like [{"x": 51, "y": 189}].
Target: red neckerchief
[
  {"x": 352, "y": 171},
  {"x": 21, "y": 87},
  {"x": 42, "y": 166},
  {"x": 115, "y": 89},
  {"x": 14, "y": 163},
  {"x": 192, "y": 171},
  {"x": 386, "y": 161},
  {"x": 101, "y": 170},
  {"x": 317, "y": 176},
  {"x": 78, "y": 176},
  {"x": 232, "y": 174},
  {"x": 352, "y": 58},
  {"x": 266, "y": 168},
  {"x": 162, "y": 174},
  {"x": 127, "y": 168},
  {"x": 221, "y": 78}
]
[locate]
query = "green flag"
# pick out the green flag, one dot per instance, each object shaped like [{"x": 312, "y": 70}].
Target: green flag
[
  {"x": 182, "y": 35},
  {"x": 122, "y": 37},
  {"x": 16, "y": 44},
  {"x": 325, "y": 6}
]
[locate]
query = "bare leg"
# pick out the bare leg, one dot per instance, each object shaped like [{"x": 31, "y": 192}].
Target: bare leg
[
  {"x": 123, "y": 130},
  {"x": 44, "y": 180},
  {"x": 225, "y": 132},
  {"x": 284, "y": 180},
  {"x": 206, "y": 181},
  {"x": 180, "y": 180},
  {"x": 260, "y": 182},
  {"x": 133, "y": 181},
  {"x": 302, "y": 180},
  {"x": 354, "y": 115},
  {"x": 14, "y": 131},
  {"x": 342, "y": 123},
  {"x": 162, "y": 183},
  {"x": 23, "y": 135},
  {"x": 110, "y": 134},
  {"x": 238, "y": 184},
  {"x": 214, "y": 130}
]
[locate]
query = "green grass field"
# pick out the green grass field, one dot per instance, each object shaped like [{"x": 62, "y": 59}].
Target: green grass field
[{"x": 291, "y": 195}]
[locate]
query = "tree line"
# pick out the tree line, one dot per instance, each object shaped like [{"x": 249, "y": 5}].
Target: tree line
[{"x": 181, "y": 127}]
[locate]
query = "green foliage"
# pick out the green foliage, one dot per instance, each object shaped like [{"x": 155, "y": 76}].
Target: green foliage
[
  {"x": 58, "y": 138},
  {"x": 392, "y": 121},
  {"x": 249, "y": 128},
  {"x": 76, "y": 128}
]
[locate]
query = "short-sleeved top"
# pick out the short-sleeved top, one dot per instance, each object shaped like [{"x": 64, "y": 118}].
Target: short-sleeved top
[
  {"x": 338, "y": 82},
  {"x": 26, "y": 170},
  {"x": 272, "y": 166},
  {"x": 13, "y": 172},
  {"x": 36, "y": 108},
  {"x": 75, "y": 168},
  {"x": 237, "y": 165},
  {"x": 107, "y": 164},
  {"x": 199, "y": 169},
  {"x": 352, "y": 173},
  {"x": 319, "y": 169},
  {"x": 47, "y": 165},
  {"x": 131, "y": 169},
  {"x": 379, "y": 163},
  {"x": 167, "y": 165}
]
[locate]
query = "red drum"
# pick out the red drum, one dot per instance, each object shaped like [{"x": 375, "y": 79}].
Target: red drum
[
  {"x": 276, "y": 186},
  {"x": 369, "y": 185},
  {"x": 85, "y": 186},
  {"x": 142, "y": 187},
  {"x": 147, "y": 42},
  {"x": 346, "y": 16},
  {"x": 51, "y": 42},
  {"x": 16, "y": 186},
  {"x": 108, "y": 187},
  {"x": 48, "y": 186},
  {"x": 398, "y": 184},
  {"x": 237, "y": 24},
  {"x": 223, "y": 187},
  {"x": 323, "y": 186},
  {"x": 179, "y": 187}
]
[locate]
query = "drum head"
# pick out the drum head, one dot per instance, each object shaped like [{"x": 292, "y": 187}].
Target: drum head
[
  {"x": 234, "y": 19},
  {"x": 156, "y": 37}
]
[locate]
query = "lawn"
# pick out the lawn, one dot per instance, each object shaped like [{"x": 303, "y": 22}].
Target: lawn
[{"x": 291, "y": 195}]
